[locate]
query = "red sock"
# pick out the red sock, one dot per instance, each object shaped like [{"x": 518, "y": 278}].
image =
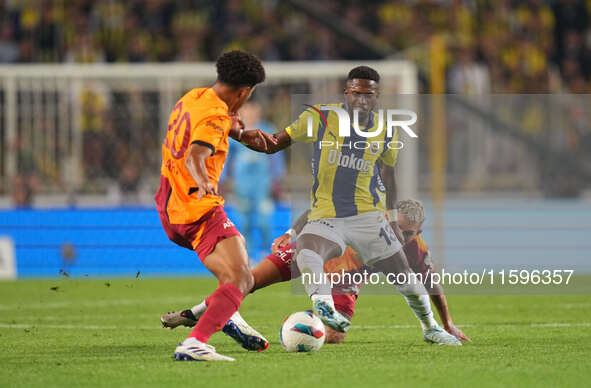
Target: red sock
[{"x": 224, "y": 302}]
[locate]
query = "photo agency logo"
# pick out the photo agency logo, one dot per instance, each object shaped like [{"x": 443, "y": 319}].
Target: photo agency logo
[{"x": 394, "y": 118}]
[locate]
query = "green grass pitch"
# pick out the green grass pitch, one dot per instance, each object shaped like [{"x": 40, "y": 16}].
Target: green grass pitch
[{"x": 107, "y": 333}]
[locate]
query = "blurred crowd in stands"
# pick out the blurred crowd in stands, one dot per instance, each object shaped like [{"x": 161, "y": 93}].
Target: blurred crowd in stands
[
  {"x": 493, "y": 46},
  {"x": 517, "y": 40}
]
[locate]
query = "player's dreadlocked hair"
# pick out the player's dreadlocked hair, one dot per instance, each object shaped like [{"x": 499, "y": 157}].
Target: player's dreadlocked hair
[
  {"x": 364, "y": 72},
  {"x": 412, "y": 209},
  {"x": 237, "y": 68}
]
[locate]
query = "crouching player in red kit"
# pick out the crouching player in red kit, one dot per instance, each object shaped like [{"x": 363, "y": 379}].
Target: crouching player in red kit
[
  {"x": 278, "y": 267},
  {"x": 190, "y": 208},
  {"x": 411, "y": 215}
]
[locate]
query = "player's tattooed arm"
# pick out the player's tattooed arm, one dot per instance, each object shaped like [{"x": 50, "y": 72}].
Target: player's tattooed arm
[
  {"x": 195, "y": 165},
  {"x": 438, "y": 298}
]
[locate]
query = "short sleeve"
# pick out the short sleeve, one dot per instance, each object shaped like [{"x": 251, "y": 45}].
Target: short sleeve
[
  {"x": 298, "y": 130},
  {"x": 210, "y": 131},
  {"x": 419, "y": 257},
  {"x": 390, "y": 154}
]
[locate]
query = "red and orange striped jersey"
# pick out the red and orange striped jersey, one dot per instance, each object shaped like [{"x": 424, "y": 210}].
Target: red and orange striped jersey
[{"x": 200, "y": 117}]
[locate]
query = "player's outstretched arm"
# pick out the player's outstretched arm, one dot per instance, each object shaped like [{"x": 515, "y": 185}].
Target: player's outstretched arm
[
  {"x": 273, "y": 143},
  {"x": 282, "y": 141},
  {"x": 255, "y": 139},
  {"x": 440, "y": 302}
]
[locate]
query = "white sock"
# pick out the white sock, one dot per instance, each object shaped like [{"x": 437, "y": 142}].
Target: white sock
[
  {"x": 199, "y": 309},
  {"x": 418, "y": 300},
  {"x": 236, "y": 317},
  {"x": 311, "y": 266}
]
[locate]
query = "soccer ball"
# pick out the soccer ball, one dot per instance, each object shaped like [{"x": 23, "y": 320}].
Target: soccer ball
[{"x": 302, "y": 332}]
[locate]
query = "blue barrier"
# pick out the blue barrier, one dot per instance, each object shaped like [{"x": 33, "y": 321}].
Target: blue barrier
[
  {"x": 531, "y": 234},
  {"x": 101, "y": 242}
]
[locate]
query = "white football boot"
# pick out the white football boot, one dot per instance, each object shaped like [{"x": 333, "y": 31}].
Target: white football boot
[
  {"x": 236, "y": 328},
  {"x": 244, "y": 334},
  {"x": 436, "y": 335},
  {"x": 193, "y": 350},
  {"x": 330, "y": 317}
]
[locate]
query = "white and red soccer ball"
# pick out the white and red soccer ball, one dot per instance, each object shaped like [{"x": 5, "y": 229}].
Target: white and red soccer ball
[{"x": 302, "y": 332}]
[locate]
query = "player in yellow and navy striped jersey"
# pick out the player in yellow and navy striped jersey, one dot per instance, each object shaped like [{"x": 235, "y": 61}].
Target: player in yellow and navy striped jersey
[
  {"x": 352, "y": 151},
  {"x": 345, "y": 169}
]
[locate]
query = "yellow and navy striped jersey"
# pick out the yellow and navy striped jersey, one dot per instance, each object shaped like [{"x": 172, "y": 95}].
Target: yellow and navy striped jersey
[{"x": 346, "y": 175}]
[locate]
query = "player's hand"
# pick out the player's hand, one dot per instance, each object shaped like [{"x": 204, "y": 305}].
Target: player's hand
[
  {"x": 237, "y": 123},
  {"x": 280, "y": 242},
  {"x": 258, "y": 140},
  {"x": 451, "y": 329},
  {"x": 207, "y": 188},
  {"x": 333, "y": 336}
]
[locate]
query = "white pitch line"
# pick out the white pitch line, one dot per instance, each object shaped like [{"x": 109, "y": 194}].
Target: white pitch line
[
  {"x": 103, "y": 303},
  {"x": 525, "y": 324},
  {"x": 173, "y": 301},
  {"x": 74, "y": 327},
  {"x": 558, "y": 324},
  {"x": 358, "y": 327}
]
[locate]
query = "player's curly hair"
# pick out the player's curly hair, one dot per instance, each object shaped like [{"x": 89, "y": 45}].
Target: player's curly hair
[
  {"x": 237, "y": 69},
  {"x": 364, "y": 72},
  {"x": 412, "y": 209}
]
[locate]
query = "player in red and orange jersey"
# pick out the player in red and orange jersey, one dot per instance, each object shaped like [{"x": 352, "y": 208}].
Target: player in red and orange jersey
[
  {"x": 190, "y": 208},
  {"x": 411, "y": 215}
]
